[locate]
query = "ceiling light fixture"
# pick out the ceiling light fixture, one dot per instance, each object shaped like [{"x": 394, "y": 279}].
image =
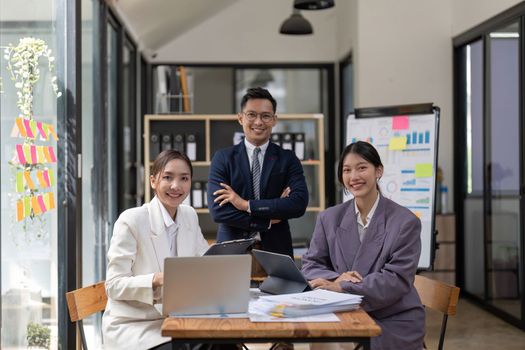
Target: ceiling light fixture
[
  {"x": 296, "y": 24},
  {"x": 313, "y": 4}
]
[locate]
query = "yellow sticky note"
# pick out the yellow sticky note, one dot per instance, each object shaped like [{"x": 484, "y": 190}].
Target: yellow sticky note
[
  {"x": 35, "y": 206},
  {"x": 40, "y": 177},
  {"x": 29, "y": 180},
  {"x": 51, "y": 197},
  {"x": 19, "y": 210},
  {"x": 19, "y": 181},
  {"x": 397, "y": 143},
  {"x": 424, "y": 170},
  {"x": 27, "y": 206}
]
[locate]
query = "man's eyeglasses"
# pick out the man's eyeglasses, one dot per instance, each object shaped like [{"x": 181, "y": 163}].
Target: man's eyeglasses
[{"x": 265, "y": 117}]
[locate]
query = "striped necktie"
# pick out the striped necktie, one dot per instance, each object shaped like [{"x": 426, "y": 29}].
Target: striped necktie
[{"x": 256, "y": 174}]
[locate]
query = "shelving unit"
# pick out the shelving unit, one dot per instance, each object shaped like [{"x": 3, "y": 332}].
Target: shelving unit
[{"x": 213, "y": 132}]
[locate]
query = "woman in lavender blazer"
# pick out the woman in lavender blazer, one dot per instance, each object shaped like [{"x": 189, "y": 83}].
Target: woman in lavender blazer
[{"x": 370, "y": 246}]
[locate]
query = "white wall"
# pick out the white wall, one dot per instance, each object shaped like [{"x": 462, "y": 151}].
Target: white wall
[
  {"x": 248, "y": 31},
  {"x": 467, "y": 14}
]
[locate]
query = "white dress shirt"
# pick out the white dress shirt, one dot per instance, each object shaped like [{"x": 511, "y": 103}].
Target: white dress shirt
[
  {"x": 361, "y": 227},
  {"x": 172, "y": 228}
]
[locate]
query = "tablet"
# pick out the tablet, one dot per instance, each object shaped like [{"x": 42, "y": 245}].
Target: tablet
[
  {"x": 238, "y": 246},
  {"x": 283, "y": 275}
]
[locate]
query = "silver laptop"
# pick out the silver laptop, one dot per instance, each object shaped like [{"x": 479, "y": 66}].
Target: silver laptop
[{"x": 201, "y": 285}]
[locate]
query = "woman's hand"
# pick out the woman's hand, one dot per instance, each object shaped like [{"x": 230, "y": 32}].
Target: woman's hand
[
  {"x": 352, "y": 276},
  {"x": 158, "y": 280},
  {"x": 321, "y": 283},
  {"x": 228, "y": 195}
]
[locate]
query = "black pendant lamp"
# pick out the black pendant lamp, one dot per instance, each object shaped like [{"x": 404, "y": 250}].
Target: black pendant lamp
[
  {"x": 296, "y": 24},
  {"x": 313, "y": 4}
]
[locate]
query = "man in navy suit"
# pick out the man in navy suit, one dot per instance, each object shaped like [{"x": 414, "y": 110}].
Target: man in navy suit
[{"x": 241, "y": 210}]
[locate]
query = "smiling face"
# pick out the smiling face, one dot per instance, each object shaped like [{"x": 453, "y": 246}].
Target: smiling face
[
  {"x": 172, "y": 185},
  {"x": 257, "y": 131},
  {"x": 360, "y": 176}
]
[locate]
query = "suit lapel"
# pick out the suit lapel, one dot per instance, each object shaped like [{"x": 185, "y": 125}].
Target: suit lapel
[
  {"x": 270, "y": 158},
  {"x": 159, "y": 239},
  {"x": 372, "y": 241},
  {"x": 347, "y": 236},
  {"x": 241, "y": 160}
]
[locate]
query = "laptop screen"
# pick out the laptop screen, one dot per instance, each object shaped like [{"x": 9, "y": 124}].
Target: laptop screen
[{"x": 215, "y": 284}]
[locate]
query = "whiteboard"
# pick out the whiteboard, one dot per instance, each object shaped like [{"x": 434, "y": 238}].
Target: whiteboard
[{"x": 407, "y": 145}]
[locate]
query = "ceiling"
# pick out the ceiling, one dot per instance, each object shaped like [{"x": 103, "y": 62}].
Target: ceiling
[{"x": 157, "y": 22}]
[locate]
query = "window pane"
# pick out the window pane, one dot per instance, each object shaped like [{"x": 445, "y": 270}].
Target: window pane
[
  {"x": 504, "y": 240},
  {"x": 28, "y": 254},
  {"x": 474, "y": 136},
  {"x": 504, "y": 118},
  {"x": 287, "y": 86}
]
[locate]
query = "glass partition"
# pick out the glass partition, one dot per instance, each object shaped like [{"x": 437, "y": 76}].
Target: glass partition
[{"x": 28, "y": 172}]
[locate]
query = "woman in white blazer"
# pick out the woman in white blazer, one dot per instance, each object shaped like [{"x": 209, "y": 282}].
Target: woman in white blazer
[{"x": 142, "y": 238}]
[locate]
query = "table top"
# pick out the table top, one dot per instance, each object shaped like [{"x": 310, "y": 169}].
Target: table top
[{"x": 356, "y": 323}]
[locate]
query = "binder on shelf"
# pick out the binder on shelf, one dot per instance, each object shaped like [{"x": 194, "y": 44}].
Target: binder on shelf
[
  {"x": 191, "y": 146},
  {"x": 154, "y": 146},
  {"x": 178, "y": 142},
  {"x": 287, "y": 141},
  {"x": 166, "y": 142},
  {"x": 196, "y": 195},
  {"x": 184, "y": 90},
  {"x": 205, "y": 194},
  {"x": 276, "y": 138},
  {"x": 299, "y": 145}
]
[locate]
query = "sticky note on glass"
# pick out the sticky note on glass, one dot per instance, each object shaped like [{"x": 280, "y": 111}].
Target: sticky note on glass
[
  {"x": 423, "y": 170},
  {"x": 19, "y": 210},
  {"x": 400, "y": 122},
  {"x": 397, "y": 143}
]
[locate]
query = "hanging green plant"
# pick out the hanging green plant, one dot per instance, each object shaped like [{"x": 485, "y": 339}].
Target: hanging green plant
[{"x": 22, "y": 63}]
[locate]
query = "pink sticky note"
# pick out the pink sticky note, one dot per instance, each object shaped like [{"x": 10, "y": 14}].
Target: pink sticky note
[
  {"x": 41, "y": 130},
  {"x": 27, "y": 126},
  {"x": 21, "y": 157},
  {"x": 400, "y": 122},
  {"x": 46, "y": 178},
  {"x": 34, "y": 159},
  {"x": 52, "y": 154},
  {"x": 41, "y": 204}
]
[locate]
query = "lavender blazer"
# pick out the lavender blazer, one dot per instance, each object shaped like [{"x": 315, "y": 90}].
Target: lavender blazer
[{"x": 387, "y": 259}]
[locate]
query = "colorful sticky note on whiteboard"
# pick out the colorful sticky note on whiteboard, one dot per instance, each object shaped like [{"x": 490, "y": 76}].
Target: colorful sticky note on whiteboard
[
  {"x": 400, "y": 122},
  {"x": 397, "y": 143},
  {"x": 424, "y": 170}
]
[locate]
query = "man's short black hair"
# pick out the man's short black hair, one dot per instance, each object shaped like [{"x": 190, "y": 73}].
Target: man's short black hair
[{"x": 258, "y": 93}]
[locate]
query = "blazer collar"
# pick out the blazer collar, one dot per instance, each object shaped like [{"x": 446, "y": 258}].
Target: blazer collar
[
  {"x": 347, "y": 235},
  {"x": 372, "y": 242},
  {"x": 270, "y": 158},
  {"x": 159, "y": 237},
  {"x": 241, "y": 160}
]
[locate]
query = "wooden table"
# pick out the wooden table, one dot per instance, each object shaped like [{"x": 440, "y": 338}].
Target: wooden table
[{"x": 355, "y": 326}]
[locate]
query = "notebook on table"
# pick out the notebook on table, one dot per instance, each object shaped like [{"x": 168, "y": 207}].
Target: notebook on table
[
  {"x": 283, "y": 275},
  {"x": 216, "y": 284}
]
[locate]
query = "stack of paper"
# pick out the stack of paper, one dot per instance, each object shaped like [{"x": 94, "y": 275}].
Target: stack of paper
[{"x": 315, "y": 302}]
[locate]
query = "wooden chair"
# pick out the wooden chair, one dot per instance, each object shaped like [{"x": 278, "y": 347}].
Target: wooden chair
[
  {"x": 84, "y": 302},
  {"x": 438, "y": 296}
]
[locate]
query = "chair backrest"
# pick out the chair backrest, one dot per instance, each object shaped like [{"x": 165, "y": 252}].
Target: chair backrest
[
  {"x": 438, "y": 296},
  {"x": 84, "y": 302}
]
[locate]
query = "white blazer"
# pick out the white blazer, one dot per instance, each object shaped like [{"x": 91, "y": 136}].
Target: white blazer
[{"x": 139, "y": 245}]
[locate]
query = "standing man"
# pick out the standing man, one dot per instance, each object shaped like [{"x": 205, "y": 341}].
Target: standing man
[{"x": 255, "y": 186}]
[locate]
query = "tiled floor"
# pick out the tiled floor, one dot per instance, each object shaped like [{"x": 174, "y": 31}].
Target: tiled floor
[
  {"x": 471, "y": 329},
  {"x": 474, "y": 329}
]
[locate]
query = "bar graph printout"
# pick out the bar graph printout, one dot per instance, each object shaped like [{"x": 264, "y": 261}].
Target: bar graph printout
[{"x": 408, "y": 149}]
